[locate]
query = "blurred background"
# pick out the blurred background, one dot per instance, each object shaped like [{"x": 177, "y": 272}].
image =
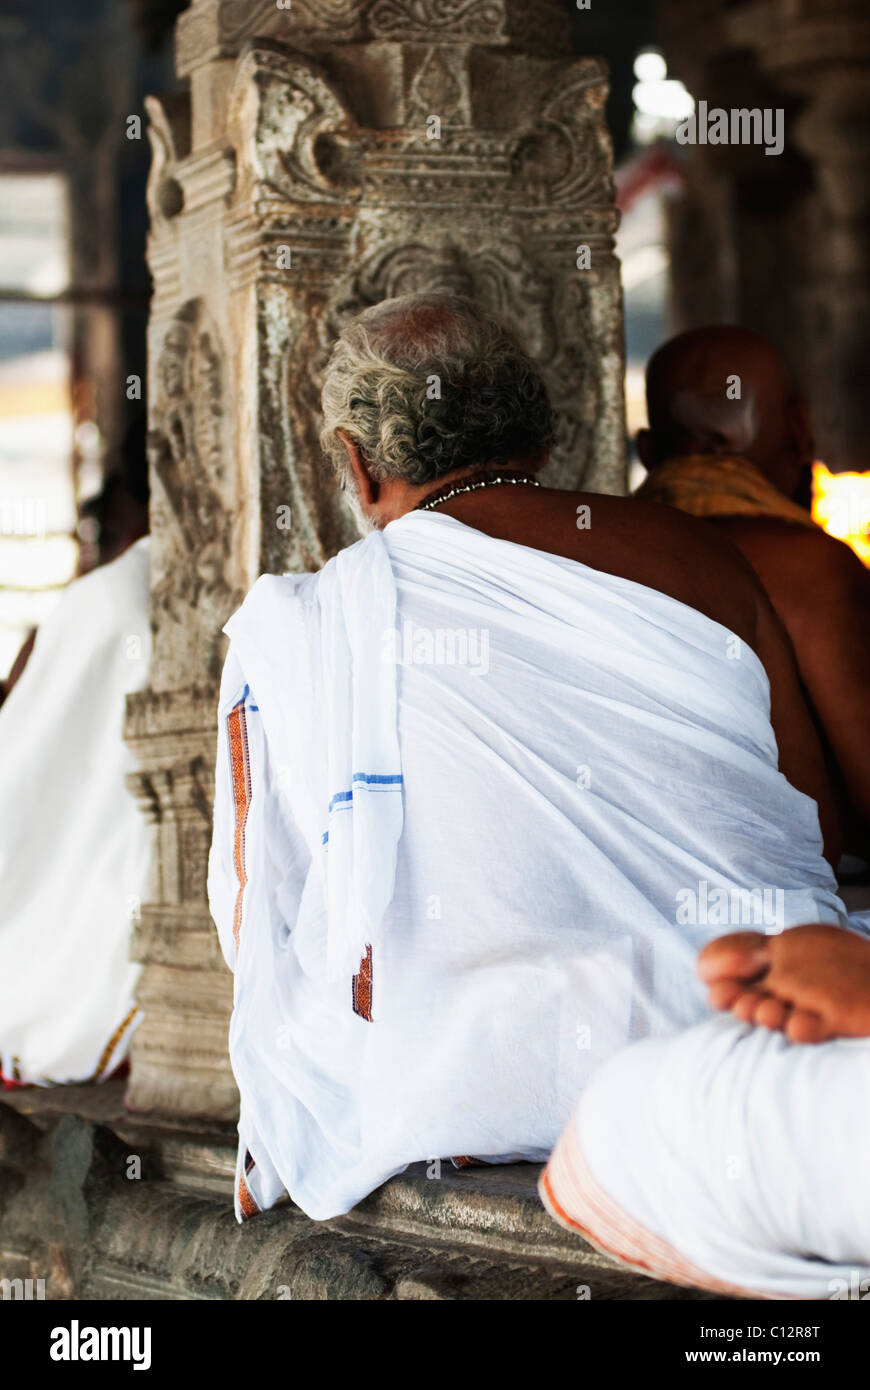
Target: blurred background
[
  {"x": 708, "y": 234},
  {"x": 74, "y": 286}
]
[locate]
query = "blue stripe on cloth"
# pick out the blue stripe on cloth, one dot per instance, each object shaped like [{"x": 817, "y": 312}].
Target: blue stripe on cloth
[
  {"x": 374, "y": 781},
  {"x": 243, "y": 699}
]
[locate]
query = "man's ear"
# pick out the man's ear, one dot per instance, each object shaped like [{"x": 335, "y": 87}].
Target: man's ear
[
  {"x": 366, "y": 487},
  {"x": 644, "y": 441}
]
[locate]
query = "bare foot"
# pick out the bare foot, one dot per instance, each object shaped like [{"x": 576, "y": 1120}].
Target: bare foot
[{"x": 811, "y": 983}]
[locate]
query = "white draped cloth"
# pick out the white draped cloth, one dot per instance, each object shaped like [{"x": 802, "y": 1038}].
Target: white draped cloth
[
  {"x": 728, "y": 1158},
  {"x": 477, "y": 809},
  {"x": 73, "y": 843}
]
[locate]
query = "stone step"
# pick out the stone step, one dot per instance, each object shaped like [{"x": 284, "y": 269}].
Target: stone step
[{"x": 71, "y": 1214}]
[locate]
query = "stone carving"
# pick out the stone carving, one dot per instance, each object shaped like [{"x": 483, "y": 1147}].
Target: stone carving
[
  {"x": 395, "y": 269},
  {"x": 413, "y": 20},
  {"x": 214, "y": 29},
  {"x": 408, "y": 170},
  {"x": 185, "y": 449},
  {"x": 532, "y": 26},
  {"x": 296, "y": 138},
  {"x": 561, "y": 160},
  {"x": 239, "y": 19},
  {"x": 292, "y": 468},
  {"x": 438, "y": 88},
  {"x": 163, "y": 193},
  {"x": 179, "y": 1055},
  {"x": 553, "y": 159}
]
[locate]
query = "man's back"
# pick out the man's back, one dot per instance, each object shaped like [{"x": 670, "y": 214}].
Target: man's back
[
  {"x": 821, "y": 593},
  {"x": 730, "y": 439},
  {"x": 686, "y": 559}
]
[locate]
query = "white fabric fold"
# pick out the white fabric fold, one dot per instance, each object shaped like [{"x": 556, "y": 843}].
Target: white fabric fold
[
  {"x": 746, "y": 1155},
  {"x": 313, "y": 646}
]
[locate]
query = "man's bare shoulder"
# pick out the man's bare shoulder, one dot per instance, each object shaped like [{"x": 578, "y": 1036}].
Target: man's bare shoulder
[
  {"x": 662, "y": 536},
  {"x": 663, "y": 548},
  {"x": 805, "y": 560},
  {"x": 638, "y": 517}
]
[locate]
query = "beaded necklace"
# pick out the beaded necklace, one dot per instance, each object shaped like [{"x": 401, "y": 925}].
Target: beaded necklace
[{"x": 480, "y": 478}]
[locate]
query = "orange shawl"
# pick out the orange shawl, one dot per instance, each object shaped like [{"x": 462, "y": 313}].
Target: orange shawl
[{"x": 708, "y": 485}]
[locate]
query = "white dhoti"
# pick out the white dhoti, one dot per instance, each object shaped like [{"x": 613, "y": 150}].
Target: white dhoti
[
  {"x": 726, "y": 1158},
  {"x": 477, "y": 809},
  {"x": 73, "y": 842}
]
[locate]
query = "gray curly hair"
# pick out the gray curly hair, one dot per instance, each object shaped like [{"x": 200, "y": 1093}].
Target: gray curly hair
[{"x": 428, "y": 383}]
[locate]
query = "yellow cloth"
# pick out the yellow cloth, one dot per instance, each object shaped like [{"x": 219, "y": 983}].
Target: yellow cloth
[{"x": 708, "y": 485}]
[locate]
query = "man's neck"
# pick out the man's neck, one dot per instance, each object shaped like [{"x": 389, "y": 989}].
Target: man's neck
[{"x": 397, "y": 498}]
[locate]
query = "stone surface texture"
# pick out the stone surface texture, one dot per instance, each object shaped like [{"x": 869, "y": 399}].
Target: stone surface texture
[{"x": 104, "y": 1205}]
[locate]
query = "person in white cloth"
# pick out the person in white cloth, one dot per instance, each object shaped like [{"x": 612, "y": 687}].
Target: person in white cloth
[
  {"x": 73, "y": 842},
  {"x": 733, "y": 1155},
  {"x": 471, "y": 774}
]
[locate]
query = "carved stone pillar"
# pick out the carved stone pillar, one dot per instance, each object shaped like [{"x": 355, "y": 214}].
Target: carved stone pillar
[{"x": 334, "y": 153}]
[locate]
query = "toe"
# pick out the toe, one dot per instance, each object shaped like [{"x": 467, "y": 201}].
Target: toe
[
  {"x": 806, "y": 1027},
  {"x": 742, "y": 955},
  {"x": 723, "y": 993},
  {"x": 772, "y": 1013},
  {"x": 747, "y": 1004}
]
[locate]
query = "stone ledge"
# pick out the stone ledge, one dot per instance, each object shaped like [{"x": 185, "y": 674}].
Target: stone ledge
[{"x": 69, "y": 1214}]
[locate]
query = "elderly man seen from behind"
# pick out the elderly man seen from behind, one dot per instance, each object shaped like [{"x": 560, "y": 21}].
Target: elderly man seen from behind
[{"x": 473, "y": 775}]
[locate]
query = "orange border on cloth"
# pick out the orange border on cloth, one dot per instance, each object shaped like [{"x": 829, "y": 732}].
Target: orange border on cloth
[
  {"x": 14, "y": 1083},
  {"x": 575, "y": 1199},
  {"x": 247, "y": 1206},
  {"x": 111, "y": 1046},
  {"x": 361, "y": 988},
  {"x": 240, "y": 772}
]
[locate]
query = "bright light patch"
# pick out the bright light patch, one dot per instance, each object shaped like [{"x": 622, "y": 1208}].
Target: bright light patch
[
  {"x": 841, "y": 504},
  {"x": 650, "y": 66},
  {"x": 643, "y": 264},
  {"x": 668, "y": 101},
  {"x": 34, "y": 233}
]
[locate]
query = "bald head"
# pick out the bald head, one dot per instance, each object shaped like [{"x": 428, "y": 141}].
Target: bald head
[
  {"x": 725, "y": 390},
  {"x": 420, "y": 326}
]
